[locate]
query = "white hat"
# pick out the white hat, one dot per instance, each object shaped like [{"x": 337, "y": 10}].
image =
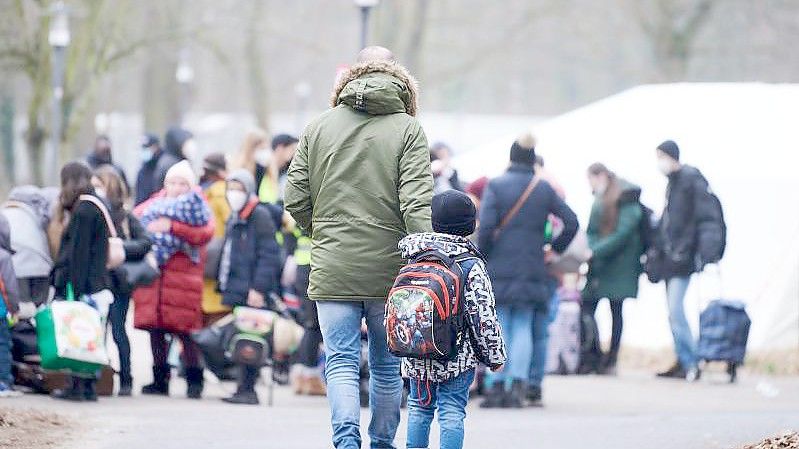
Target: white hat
[{"x": 182, "y": 170}]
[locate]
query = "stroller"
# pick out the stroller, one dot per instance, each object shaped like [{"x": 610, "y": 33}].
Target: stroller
[{"x": 251, "y": 337}]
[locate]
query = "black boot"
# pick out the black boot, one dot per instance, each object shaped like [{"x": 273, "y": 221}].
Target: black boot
[
  {"x": 515, "y": 399},
  {"x": 608, "y": 365},
  {"x": 675, "y": 372},
  {"x": 494, "y": 396},
  {"x": 195, "y": 381},
  {"x": 245, "y": 394},
  {"x": 90, "y": 390},
  {"x": 74, "y": 392},
  {"x": 125, "y": 385},
  {"x": 160, "y": 385},
  {"x": 534, "y": 395}
]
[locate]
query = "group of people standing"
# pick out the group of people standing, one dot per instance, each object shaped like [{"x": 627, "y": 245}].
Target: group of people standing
[
  {"x": 360, "y": 184},
  {"x": 194, "y": 248},
  {"x": 362, "y": 181}
]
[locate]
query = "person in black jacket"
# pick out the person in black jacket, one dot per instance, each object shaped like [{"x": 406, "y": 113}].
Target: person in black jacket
[
  {"x": 250, "y": 262},
  {"x": 146, "y": 183},
  {"x": 82, "y": 255},
  {"x": 101, "y": 155},
  {"x": 677, "y": 247},
  {"x": 516, "y": 256},
  {"x": 108, "y": 186},
  {"x": 178, "y": 145}
]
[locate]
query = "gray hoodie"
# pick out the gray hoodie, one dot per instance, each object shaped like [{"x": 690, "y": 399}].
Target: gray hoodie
[
  {"x": 484, "y": 343},
  {"x": 10, "y": 292}
]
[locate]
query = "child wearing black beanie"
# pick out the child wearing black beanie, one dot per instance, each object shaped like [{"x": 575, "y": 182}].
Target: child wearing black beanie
[{"x": 441, "y": 386}]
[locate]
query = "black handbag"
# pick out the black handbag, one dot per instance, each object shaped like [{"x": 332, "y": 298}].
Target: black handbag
[
  {"x": 213, "y": 258},
  {"x": 141, "y": 272}
]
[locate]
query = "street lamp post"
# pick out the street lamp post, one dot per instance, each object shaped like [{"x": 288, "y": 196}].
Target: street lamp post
[
  {"x": 58, "y": 38},
  {"x": 366, "y": 7}
]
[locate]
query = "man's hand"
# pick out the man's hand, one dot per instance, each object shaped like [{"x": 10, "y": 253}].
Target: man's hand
[
  {"x": 160, "y": 225},
  {"x": 255, "y": 299},
  {"x": 498, "y": 368}
]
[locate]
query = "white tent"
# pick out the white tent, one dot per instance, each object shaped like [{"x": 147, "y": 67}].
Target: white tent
[{"x": 743, "y": 136}]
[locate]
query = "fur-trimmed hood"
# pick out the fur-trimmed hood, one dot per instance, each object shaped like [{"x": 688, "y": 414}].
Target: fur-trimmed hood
[{"x": 377, "y": 88}]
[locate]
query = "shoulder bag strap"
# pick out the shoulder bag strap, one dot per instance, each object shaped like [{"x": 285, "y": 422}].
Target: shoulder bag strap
[
  {"x": 112, "y": 230},
  {"x": 517, "y": 206}
]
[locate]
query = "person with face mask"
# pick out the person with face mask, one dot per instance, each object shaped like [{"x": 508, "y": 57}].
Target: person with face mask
[
  {"x": 101, "y": 155},
  {"x": 615, "y": 240},
  {"x": 250, "y": 263},
  {"x": 150, "y": 153},
  {"x": 678, "y": 250}
]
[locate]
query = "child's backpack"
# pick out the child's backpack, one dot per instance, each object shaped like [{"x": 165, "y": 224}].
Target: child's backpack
[{"x": 424, "y": 311}]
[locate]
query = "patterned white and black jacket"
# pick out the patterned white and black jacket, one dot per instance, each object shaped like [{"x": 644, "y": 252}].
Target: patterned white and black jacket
[{"x": 483, "y": 342}]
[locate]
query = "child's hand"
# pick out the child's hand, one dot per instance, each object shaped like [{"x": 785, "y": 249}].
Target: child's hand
[
  {"x": 162, "y": 225},
  {"x": 255, "y": 299},
  {"x": 498, "y": 369}
]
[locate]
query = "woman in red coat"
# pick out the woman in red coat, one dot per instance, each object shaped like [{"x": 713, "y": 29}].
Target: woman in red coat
[{"x": 173, "y": 303}]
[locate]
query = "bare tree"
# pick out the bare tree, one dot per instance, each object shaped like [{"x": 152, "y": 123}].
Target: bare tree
[
  {"x": 671, "y": 28},
  {"x": 255, "y": 64},
  {"x": 102, "y": 38}
]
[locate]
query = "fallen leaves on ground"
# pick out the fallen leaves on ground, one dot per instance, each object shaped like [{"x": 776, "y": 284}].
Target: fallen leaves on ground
[
  {"x": 788, "y": 440},
  {"x": 31, "y": 429}
]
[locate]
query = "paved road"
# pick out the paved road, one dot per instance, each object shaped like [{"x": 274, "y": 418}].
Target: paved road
[{"x": 631, "y": 411}]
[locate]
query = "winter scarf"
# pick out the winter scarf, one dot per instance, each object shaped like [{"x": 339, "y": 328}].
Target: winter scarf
[{"x": 189, "y": 208}]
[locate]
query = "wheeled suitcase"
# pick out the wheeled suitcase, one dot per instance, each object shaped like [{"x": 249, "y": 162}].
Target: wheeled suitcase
[
  {"x": 723, "y": 333},
  {"x": 563, "y": 353}
]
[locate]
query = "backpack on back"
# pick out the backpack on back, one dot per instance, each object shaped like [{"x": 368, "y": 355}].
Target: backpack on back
[
  {"x": 711, "y": 229},
  {"x": 425, "y": 311}
]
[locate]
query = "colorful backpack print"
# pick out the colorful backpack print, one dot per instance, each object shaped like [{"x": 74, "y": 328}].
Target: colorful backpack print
[{"x": 424, "y": 311}]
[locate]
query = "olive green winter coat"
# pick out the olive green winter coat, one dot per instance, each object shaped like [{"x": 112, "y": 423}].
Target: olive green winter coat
[
  {"x": 616, "y": 264},
  {"x": 360, "y": 182}
]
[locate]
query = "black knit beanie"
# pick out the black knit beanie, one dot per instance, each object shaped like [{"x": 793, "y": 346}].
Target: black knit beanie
[
  {"x": 523, "y": 150},
  {"x": 670, "y": 148},
  {"x": 453, "y": 213}
]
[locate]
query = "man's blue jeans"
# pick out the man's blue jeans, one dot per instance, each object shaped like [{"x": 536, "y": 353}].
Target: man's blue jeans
[
  {"x": 684, "y": 343},
  {"x": 517, "y": 329},
  {"x": 340, "y": 322},
  {"x": 542, "y": 318},
  {"x": 450, "y": 399}
]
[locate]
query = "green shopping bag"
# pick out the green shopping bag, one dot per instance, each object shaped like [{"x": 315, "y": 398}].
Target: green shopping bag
[{"x": 70, "y": 336}]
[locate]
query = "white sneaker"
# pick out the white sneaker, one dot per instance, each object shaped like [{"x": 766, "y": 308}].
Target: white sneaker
[{"x": 693, "y": 375}]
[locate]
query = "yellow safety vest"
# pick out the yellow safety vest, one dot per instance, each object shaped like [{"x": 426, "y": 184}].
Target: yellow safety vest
[
  {"x": 268, "y": 191},
  {"x": 302, "y": 253}
]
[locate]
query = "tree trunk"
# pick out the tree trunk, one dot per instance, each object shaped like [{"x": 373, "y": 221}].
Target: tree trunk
[{"x": 254, "y": 60}]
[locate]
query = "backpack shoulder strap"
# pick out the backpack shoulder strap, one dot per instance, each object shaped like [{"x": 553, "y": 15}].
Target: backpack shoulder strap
[
  {"x": 112, "y": 230},
  {"x": 517, "y": 206}
]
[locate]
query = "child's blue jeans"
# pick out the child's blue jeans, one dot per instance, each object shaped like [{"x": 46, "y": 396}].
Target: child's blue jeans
[
  {"x": 5, "y": 353},
  {"x": 450, "y": 399}
]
